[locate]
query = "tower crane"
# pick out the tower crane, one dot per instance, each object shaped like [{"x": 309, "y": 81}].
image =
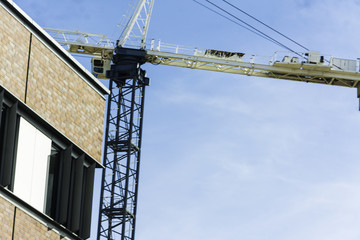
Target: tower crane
[{"x": 121, "y": 63}]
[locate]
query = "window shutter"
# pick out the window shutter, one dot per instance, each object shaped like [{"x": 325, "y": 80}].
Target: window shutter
[
  {"x": 87, "y": 202},
  {"x": 64, "y": 186},
  {"x": 77, "y": 193},
  {"x": 7, "y": 160},
  {"x": 1, "y": 105}
]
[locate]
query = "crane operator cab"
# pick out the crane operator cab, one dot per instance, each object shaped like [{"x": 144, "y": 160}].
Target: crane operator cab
[{"x": 99, "y": 66}]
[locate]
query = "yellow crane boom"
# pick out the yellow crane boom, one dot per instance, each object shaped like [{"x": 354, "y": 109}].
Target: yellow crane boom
[{"x": 311, "y": 67}]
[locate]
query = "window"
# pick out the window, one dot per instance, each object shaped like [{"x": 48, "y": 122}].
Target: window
[
  {"x": 98, "y": 66},
  {"x": 43, "y": 168},
  {"x": 33, "y": 149}
]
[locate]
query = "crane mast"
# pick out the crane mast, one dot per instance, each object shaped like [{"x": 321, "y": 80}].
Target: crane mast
[
  {"x": 123, "y": 135},
  {"x": 124, "y": 116},
  {"x": 125, "y": 106}
]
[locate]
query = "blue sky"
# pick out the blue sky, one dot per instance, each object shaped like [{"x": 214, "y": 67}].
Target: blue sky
[{"x": 236, "y": 157}]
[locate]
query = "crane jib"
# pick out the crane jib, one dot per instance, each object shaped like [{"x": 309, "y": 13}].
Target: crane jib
[{"x": 312, "y": 72}]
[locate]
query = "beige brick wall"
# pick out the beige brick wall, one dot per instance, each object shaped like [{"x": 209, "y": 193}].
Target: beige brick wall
[
  {"x": 6, "y": 219},
  {"x": 14, "y": 51},
  {"x": 54, "y": 90},
  {"x": 23, "y": 226},
  {"x": 28, "y": 228},
  {"x": 65, "y": 100}
]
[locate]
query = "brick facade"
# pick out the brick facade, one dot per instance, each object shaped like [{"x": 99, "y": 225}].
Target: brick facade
[
  {"x": 65, "y": 100},
  {"x": 22, "y": 226},
  {"x": 67, "y": 103},
  {"x": 14, "y": 51},
  {"x": 6, "y": 219},
  {"x": 48, "y": 85}
]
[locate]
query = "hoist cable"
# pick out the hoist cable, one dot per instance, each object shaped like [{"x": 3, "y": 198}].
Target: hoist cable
[
  {"x": 222, "y": 15},
  {"x": 267, "y": 36},
  {"x": 247, "y": 14}
]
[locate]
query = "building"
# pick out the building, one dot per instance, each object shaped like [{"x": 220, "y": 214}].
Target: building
[{"x": 51, "y": 129}]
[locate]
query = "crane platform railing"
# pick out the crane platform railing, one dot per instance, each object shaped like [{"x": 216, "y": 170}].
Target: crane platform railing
[
  {"x": 306, "y": 67},
  {"x": 82, "y": 42},
  {"x": 101, "y": 45},
  {"x": 157, "y": 45},
  {"x": 291, "y": 58},
  {"x": 310, "y": 67}
]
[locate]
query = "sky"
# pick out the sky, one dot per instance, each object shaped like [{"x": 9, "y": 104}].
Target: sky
[{"x": 237, "y": 157}]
